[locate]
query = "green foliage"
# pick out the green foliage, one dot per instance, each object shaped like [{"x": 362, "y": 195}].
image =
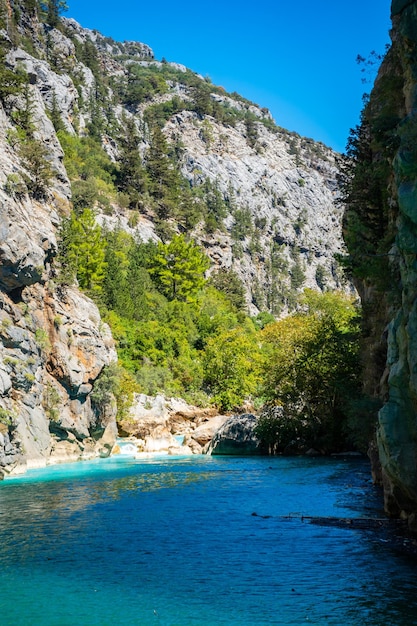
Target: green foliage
[
  {"x": 158, "y": 114},
  {"x": 297, "y": 274},
  {"x": 142, "y": 84},
  {"x": 369, "y": 221},
  {"x": 8, "y": 418},
  {"x": 105, "y": 386},
  {"x": 15, "y": 185},
  {"x": 115, "y": 383},
  {"x": 11, "y": 82},
  {"x": 312, "y": 367},
  {"x": 251, "y": 130},
  {"x": 243, "y": 226},
  {"x": 231, "y": 366},
  {"x": 131, "y": 176},
  {"x": 42, "y": 340},
  {"x": 229, "y": 283},
  {"x": 281, "y": 432},
  {"x": 321, "y": 276},
  {"x": 162, "y": 340},
  {"x": 52, "y": 10},
  {"x": 178, "y": 269},
  {"x": 82, "y": 252},
  {"x": 51, "y": 400},
  {"x": 55, "y": 115},
  {"x": 91, "y": 170},
  {"x": 85, "y": 158},
  {"x": 215, "y": 206},
  {"x": 34, "y": 156}
]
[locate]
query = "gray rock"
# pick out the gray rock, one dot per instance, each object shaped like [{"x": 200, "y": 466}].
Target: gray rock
[
  {"x": 236, "y": 437},
  {"x": 205, "y": 432},
  {"x": 5, "y": 382}
]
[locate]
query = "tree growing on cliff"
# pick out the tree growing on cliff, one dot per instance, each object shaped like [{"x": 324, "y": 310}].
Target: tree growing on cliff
[
  {"x": 82, "y": 252},
  {"x": 178, "y": 269},
  {"x": 52, "y": 10}
]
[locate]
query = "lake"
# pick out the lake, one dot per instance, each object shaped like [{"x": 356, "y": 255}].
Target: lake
[{"x": 175, "y": 541}]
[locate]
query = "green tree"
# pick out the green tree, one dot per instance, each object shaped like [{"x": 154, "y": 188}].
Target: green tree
[
  {"x": 216, "y": 209},
  {"x": 178, "y": 269},
  {"x": 11, "y": 82},
  {"x": 312, "y": 366},
  {"x": 83, "y": 251},
  {"x": 52, "y": 9},
  {"x": 251, "y": 130},
  {"x": 159, "y": 166},
  {"x": 131, "y": 177},
  {"x": 229, "y": 283},
  {"x": 116, "y": 290},
  {"x": 231, "y": 366},
  {"x": 34, "y": 156},
  {"x": 202, "y": 99},
  {"x": 55, "y": 115}
]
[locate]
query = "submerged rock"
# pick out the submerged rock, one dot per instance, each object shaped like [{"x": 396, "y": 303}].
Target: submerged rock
[{"x": 236, "y": 436}]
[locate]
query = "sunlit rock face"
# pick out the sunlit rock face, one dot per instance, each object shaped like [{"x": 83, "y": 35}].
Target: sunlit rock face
[{"x": 53, "y": 345}]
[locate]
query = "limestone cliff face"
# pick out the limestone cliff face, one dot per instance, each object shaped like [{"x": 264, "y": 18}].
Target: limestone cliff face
[
  {"x": 288, "y": 187},
  {"x": 283, "y": 185},
  {"x": 390, "y": 302},
  {"x": 52, "y": 343}
]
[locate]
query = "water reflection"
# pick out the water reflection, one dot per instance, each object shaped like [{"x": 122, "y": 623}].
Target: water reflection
[
  {"x": 22, "y": 504},
  {"x": 176, "y": 543}
]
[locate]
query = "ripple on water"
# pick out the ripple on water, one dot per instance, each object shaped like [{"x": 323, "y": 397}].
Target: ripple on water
[{"x": 176, "y": 542}]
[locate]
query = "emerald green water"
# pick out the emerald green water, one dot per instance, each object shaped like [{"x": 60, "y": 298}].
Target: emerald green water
[{"x": 175, "y": 542}]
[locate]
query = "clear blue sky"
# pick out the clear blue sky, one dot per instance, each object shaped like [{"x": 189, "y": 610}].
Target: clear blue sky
[{"x": 296, "y": 57}]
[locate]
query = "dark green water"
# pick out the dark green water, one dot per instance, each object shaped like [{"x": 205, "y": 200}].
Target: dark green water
[{"x": 175, "y": 542}]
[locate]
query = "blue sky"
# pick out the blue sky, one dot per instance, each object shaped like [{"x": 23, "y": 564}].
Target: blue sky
[{"x": 296, "y": 57}]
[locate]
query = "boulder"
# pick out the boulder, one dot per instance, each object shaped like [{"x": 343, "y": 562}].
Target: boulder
[
  {"x": 236, "y": 436},
  {"x": 148, "y": 417},
  {"x": 205, "y": 432}
]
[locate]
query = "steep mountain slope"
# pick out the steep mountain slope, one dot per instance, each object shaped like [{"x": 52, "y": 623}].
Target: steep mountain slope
[
  {"x": 259, "y": 199},
  {"x": 279, "y": 226}
]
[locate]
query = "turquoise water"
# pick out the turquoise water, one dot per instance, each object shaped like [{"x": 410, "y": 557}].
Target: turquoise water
[{"x": 173, "y": 541}]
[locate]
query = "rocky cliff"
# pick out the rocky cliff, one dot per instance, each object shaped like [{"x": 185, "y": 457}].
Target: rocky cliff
[
  {"x": 273, "y": 195},
  {"x": 381, "y": 230},
  {"x": 279, "y": 226},
  {"x": 52, "y": 344}
]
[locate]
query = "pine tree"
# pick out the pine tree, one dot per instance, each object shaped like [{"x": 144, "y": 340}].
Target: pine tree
[
  {"x": 83, "y": 252},
  {"x": 53, "y": 9},
  {"x": 159, "y": 166},
  {"x": 178, "y": 269},
  {"x": 131, "y": 176},
  {"x": 55, "y": 115}
]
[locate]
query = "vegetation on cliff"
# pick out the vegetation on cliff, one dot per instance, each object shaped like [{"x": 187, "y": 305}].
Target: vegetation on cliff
[{"x": 182, "y": 326}]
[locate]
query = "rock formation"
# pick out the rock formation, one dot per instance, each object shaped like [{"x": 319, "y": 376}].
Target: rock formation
[
  {"x": 388, "y": 287},
  {"x": 159, "y": 424},
  {"x": 236, "y": 436},
  {"x": 53, "y": 345},
  {"x": 397, "y": 419},
  {"x": 280, "y": 230}
]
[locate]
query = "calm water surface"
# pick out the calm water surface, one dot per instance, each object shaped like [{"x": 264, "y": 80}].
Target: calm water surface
[{"x": 173, "y": 541}]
